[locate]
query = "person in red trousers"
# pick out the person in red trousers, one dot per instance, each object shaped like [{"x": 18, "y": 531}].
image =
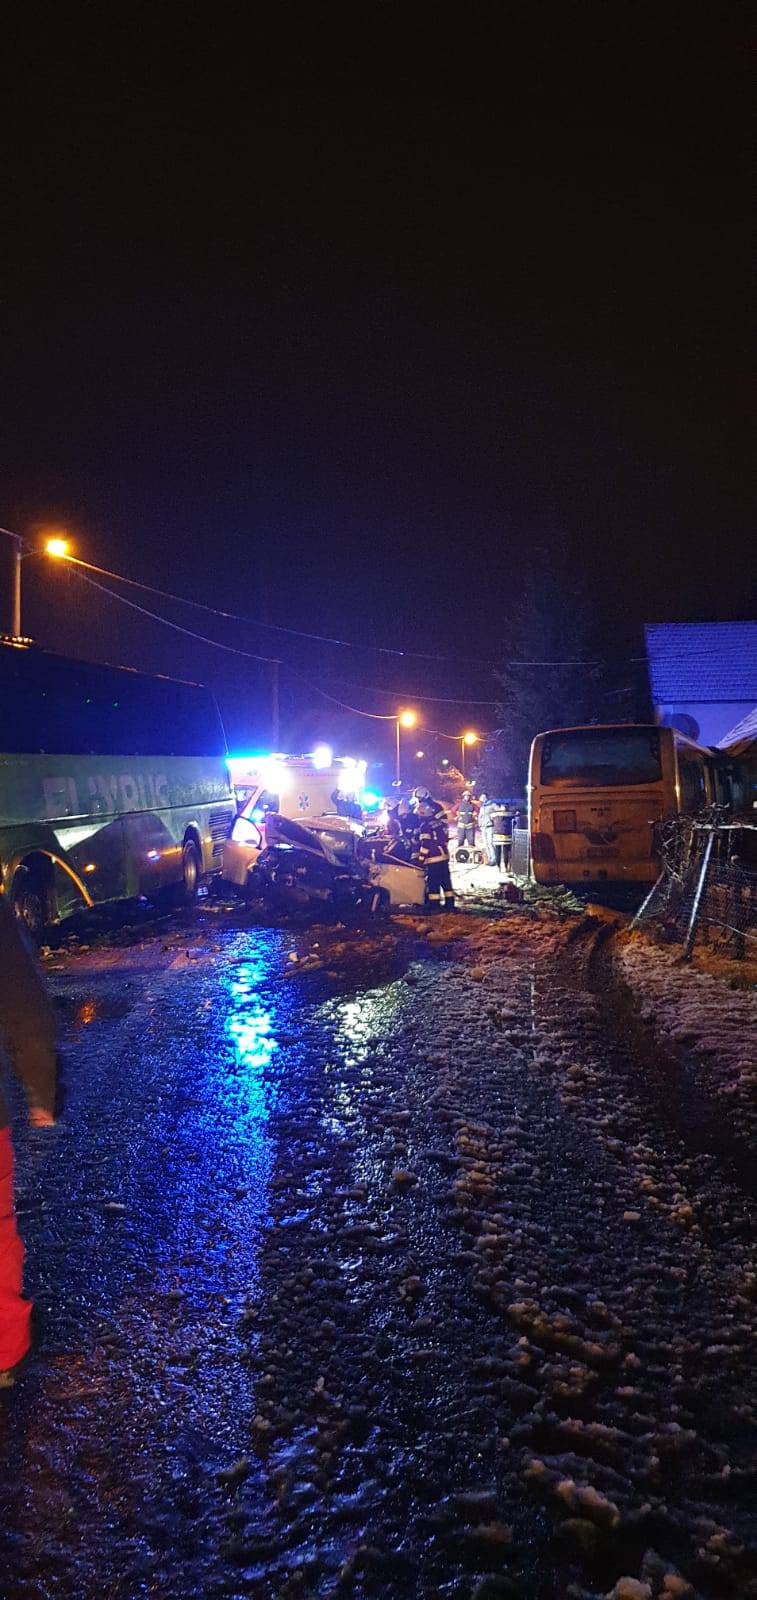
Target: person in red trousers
[{"x": 27, "y": 1034}]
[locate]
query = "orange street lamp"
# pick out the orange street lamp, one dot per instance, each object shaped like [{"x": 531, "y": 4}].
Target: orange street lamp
[
  {"x": 405, "y": 719},
  {"x": 22, "y": 549},
  {"x": 57, "y": 547},
  {"x": 466, "y": 741}
]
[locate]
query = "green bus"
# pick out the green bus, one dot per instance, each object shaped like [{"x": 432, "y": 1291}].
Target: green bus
[{"x": 113, "y": 785}]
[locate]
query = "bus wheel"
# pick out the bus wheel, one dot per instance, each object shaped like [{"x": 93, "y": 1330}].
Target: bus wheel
[
  {"x": 191, "y": 870},
  {"x": 30, "y": 901}
]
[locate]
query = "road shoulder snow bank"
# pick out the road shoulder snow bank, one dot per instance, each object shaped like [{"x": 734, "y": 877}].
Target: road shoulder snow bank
[{"x": 696, "y": 1010}]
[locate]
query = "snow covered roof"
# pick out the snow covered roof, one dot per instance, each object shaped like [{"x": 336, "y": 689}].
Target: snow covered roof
[
  {"x": 743, "y": 733},
  {"x": 702, "y": 661}
]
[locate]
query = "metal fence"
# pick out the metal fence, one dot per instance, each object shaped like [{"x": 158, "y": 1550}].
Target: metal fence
[
  {"x": 707, "y": 888},
  {"x": 520, "y": 859}
]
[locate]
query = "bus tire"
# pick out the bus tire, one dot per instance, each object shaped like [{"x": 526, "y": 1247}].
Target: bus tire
[
  {"x": 31, "y": 900},
  {"x": 191, "y": 870}
]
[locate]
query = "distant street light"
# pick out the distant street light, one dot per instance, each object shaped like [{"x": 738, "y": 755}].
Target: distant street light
[
  {"x": 56, "y": 546},
  {"x": 466, "y": 741},
  {"x": 405, "y": 719}
]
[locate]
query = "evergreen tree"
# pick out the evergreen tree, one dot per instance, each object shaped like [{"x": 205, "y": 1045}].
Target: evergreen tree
[{"x": 550, "y": 678}]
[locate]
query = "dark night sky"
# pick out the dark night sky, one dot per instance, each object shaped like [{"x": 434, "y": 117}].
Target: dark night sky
[{"x": 341, "y": 327}]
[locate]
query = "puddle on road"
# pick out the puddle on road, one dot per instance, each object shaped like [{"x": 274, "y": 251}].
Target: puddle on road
[{"x": 106, "y": 1008}]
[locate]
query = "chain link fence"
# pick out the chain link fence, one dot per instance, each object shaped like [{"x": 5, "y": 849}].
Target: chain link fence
[{"x": 707, "y": 887}]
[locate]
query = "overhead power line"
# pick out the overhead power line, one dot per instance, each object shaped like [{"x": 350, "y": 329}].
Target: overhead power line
[
  {"x": 231, "y": 649},
  {"x": 317, "y": 638},
  {"x": 250, "y": 655},
  {"x": 84, "y": 569},
  {"x": 234, "y": 650}
]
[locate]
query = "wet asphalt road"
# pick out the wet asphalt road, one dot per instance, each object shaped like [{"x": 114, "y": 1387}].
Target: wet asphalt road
[{"x": 397, "y": 1277}]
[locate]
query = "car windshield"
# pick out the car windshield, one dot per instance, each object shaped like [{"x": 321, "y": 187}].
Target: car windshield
[{"x": 600, "y": 756}]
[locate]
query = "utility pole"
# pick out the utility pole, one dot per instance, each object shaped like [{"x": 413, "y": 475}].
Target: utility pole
[
  {"x": 21, "y": 549},
  {"x": 16, "y": 589},
  {"x": 17, "y": 556},
  {"x": 275, "y": 704},
  {"x": 405, "y": 719}
]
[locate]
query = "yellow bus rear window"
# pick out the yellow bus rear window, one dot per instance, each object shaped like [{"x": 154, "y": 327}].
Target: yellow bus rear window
[{"x": 602, "y": 756}]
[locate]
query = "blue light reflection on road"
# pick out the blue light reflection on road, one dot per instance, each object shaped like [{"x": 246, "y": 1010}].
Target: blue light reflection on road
[
  {"x": 249, "y": 1025},
  {"x": 144, "y": 1214},
  {"x": 361, "y": 1031}
]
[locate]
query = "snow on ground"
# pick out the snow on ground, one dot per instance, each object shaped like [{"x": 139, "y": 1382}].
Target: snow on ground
[
  {"x": 468, "y": 878},
  {"x": 380, "y": 1264},
  {"x": 697, "y": 1010}
]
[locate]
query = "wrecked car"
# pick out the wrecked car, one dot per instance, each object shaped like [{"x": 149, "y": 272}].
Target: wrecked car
[{"x": 294, "y": 868}]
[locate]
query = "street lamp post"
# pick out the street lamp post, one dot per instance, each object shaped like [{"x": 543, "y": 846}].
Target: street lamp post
[
  {"x": 466, "y": 741},
  {"x": 405, "y": 719},
  {"x": 21, "y": 551},
  {"x": 17, "y": 558}
]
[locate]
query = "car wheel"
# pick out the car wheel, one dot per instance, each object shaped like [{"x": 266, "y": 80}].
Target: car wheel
[{"x": 30, "y": 902}]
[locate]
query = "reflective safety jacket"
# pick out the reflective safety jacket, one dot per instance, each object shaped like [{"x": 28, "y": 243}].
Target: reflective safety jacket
[
  {"x": 502, "y": 822},
  {"x": 434, "y": 840},
  {"x": 465, "y": 813},
  {"x": 27, "y": 1024}
]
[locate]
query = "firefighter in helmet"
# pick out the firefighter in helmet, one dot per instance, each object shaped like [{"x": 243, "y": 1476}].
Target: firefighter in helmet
[{"x": 433, "y": 853}]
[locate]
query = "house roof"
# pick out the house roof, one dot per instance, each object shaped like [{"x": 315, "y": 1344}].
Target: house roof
[
  {"x": 703, "y": 662},
  {"x": 744, "y": 733}
]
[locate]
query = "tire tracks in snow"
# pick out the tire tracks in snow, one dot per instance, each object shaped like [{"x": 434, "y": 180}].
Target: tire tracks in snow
[{"x": 509, "y": 1349}]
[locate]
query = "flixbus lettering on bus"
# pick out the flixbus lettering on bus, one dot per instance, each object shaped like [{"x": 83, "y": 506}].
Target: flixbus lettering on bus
[{"x": 116, "y": 791}]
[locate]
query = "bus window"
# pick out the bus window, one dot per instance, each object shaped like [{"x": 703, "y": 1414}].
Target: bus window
[
  {"x": 55, "y": 706},
  {"x": 602, "y": 756}
]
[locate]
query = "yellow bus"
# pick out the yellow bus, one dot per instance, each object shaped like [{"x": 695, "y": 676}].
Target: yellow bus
[{"x": 596, "y": 793}]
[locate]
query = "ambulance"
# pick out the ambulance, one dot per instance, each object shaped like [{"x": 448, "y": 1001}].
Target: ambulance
[{"x": 299, "y": 787}]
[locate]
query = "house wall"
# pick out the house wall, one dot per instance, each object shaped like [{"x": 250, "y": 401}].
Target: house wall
[{"x": 713, "y": 718}]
